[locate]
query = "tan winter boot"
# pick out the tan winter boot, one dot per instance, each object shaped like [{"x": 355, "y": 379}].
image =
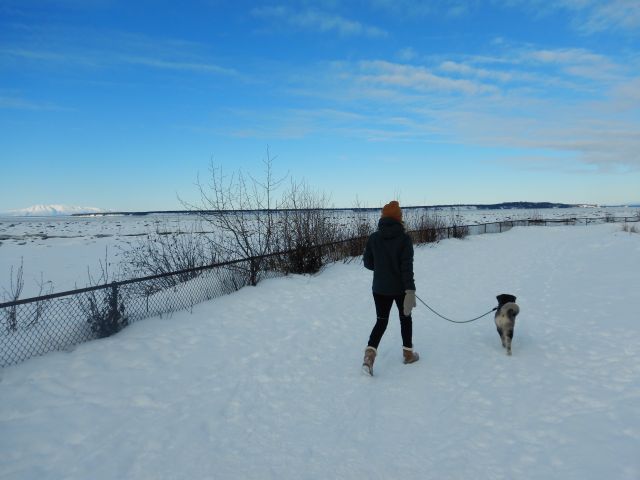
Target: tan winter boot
[
  {"x": 409, "y": 355},
  {"x": 369, "y": 358}
]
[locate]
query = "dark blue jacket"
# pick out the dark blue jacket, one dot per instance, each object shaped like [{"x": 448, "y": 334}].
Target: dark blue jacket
[{"x": 389, "y": 253}]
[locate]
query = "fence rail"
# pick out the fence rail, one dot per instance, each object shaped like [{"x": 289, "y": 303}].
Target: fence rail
[{"x": 60, "y": 321}]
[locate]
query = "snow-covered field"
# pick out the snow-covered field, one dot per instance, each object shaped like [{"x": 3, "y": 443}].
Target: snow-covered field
[
  {"x": 62, "y": 249},
  {"x": 266, "y": 384}
]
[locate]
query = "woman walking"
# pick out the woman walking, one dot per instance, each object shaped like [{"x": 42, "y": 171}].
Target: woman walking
[{"x": 389, "y": 253}]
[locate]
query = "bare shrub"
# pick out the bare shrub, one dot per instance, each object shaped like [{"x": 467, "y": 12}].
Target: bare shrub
[
  {"x": 44, "y": 288},
  {"x": 427, "y": 228},
  {"x": 105, "y": 311},
  {"x": 302, "y": 227},
  {"x": 459, "y": 231},
  {"x": 104, "y": 308},
  {"x": 536, "y": 218},
  {"x": 609, "y": 218},
  {"x": 629, "y": 228},
  {"x": 362, "y": 224},
  {"x": 242, "y": 212},
  {"x": 456, "y": 228},
  {"x": 346, "y": 250},
  {"x": 231, "y": 278},
  {"x": 354, "y": 233},
  {"x": 162, "y": 252},
  {"x": 250, "y": 220},
  {"x": 16, "y": 284}
]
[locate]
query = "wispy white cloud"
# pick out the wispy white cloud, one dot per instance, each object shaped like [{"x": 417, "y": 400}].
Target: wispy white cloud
[
  {"x": 458, "y": 9},
  {"x": 576, "y": 62},
  {"x": 610, "y": 15},
  {"x": 106, "y": 49},
  {"x": 20, "y": 103},
  {"x": 173, "y": 65},
  {"x": 586, "y": 16},
  {"x": 627, "y": 95},
  {"x": 407, "y": 54},
  {"x": 561, "y": 68},
  {"x": 40, "y": 55},
  {"x": 512, "y": 68},
  {"x": 472, "y": 71},
  {"x": 317, "y": 21},
  {"x": 527, "y": 99},
  {"x": 423, "y": 8},
  {"x": 60, "y": 4},
  {"x": 408, "y": 8},
  {"x": 585, "y": 133},
  {"x": 567, "y": 56},
  {"x": 395, "y": 75}
]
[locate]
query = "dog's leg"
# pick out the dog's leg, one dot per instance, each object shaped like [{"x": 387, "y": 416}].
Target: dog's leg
[
  {"x": 507, "y": 340},
  {"x": 501, "y": 337}
]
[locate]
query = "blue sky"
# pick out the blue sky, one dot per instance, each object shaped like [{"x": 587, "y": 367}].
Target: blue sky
[{"x": 121, "y": 104}]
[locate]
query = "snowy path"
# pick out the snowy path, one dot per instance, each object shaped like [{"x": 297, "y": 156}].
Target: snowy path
[{"x": 266, "y": 383}]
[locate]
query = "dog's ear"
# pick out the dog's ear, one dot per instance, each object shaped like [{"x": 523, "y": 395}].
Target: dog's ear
[{"x": 505, "y": 298}]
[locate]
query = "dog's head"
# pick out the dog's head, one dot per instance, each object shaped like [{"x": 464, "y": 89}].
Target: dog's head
[
  {"x": 507, "y": 306},
  {"x": 505, "y": 298}
]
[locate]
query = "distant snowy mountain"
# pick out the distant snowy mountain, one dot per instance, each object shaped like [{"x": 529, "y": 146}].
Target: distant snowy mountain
[{"x": 52, "y": 210}]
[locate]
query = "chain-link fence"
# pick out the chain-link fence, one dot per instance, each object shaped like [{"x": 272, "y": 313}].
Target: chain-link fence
[{"x": 60, "y": 321}]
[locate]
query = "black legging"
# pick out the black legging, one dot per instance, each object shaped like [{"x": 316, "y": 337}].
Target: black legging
[{"x": 383, "y": 309}]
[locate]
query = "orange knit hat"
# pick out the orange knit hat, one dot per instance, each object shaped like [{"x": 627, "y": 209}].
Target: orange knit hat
[{"x": 392, "y": 210}]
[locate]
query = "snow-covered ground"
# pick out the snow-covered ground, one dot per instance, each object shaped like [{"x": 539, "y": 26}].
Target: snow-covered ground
[
  {"x": 61, "y": 250},
  {"x": 266, "y": 384}
]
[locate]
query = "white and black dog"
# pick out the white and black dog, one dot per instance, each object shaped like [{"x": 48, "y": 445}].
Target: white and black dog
[{"x": 505, "y": 319}]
